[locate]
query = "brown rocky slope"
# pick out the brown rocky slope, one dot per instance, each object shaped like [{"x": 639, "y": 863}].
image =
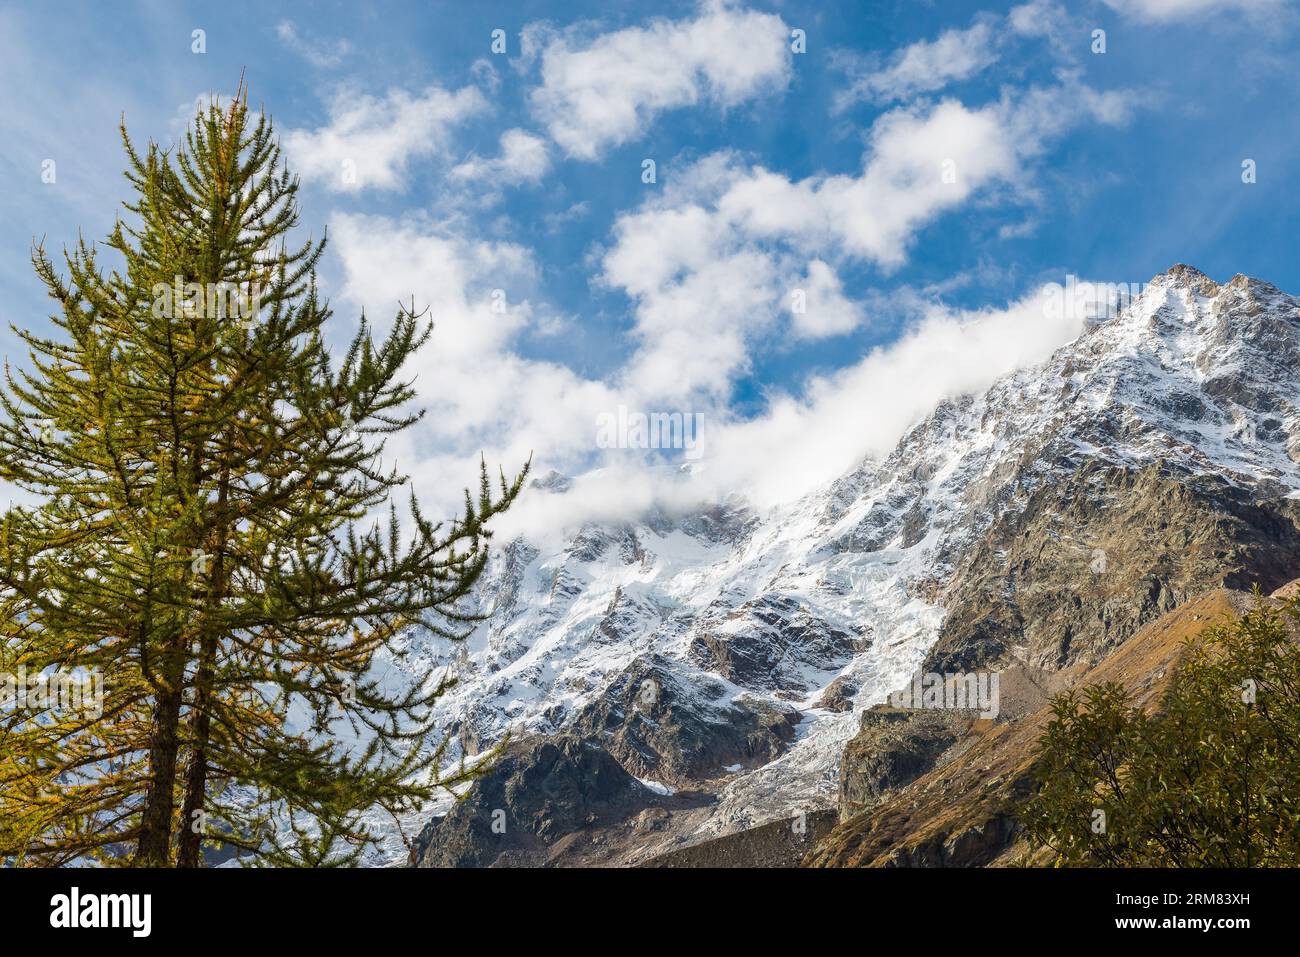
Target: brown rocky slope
[{"x": 961, "y": 811}]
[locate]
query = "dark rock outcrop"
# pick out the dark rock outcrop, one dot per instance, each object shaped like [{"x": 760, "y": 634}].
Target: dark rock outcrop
[
  {"x": 782, "y": 844},
  {"x": 1089, "y": 561},
  {"x": 540, "y": 791},
  {"x": 771, "y": 643},
  {"x": 682, "y": 728},
  {"x": 838, "y": 695},
  {"x": 892, "y": 749}
]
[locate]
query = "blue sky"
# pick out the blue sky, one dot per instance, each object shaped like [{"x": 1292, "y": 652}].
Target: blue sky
[{"x": 470, "y": 171}]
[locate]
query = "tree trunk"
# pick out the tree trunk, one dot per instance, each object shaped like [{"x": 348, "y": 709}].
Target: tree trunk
[
  {"x": 154, "y": 847},
  {"x": 193, "y": 828}
]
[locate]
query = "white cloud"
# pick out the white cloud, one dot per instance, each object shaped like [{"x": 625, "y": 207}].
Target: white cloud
[
  {"x": 803, "y": 441},
  {"x": 387, "y": 261},
  {"x": 920, "y": 163},
  {"x": 694, "y": 331},
  {"x": 523, "y": 158},
  {"x": 370, "y": 141},
  {"x": 926, "y": 66},
  {"x": 1041, "y": 18},
  {"x": 800, "y": 442},
  {"x": 556, "y": 221},
  {"x": 824, "y": 311},
  {"x": 710, "y": 263},
  {"x": 315, "y": 52},
  {"x": 603, "y": 92},
  {"x": 1166, "y": 10},
  {"x": 479, "y": 394}
]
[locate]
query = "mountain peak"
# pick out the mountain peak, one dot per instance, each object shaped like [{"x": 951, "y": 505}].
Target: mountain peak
[
  {"x": 552, "y": 481},
  {"x": 1191, "y": 276},
  {"x": 1043, "y": 519}
]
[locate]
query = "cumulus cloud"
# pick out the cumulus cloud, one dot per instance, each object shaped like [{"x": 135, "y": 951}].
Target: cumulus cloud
[
  {"x": 388, "y": 260},
  {"x": 370, "y": 141},
  {"x": 823, "y": 310},
  {"x": 480, "y": 394},
  {"x": 708, "y": 267},
  {"x": 602, "y": 91},
  {"x": 523, "y": 158},
  {"x": 1046, "y": 19},
  {"x": 710, "y": 262}
]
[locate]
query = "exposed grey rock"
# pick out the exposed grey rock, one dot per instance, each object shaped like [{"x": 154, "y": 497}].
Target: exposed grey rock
[
  {"x": 680, "y": 727},
  {"x": 1089, "y": 560},
  {"x": 892, "y": 749},
  {"x": 540, "y": 790},
  {"x": 777, "y": 844},
  {"x": 773, "y": 643}
]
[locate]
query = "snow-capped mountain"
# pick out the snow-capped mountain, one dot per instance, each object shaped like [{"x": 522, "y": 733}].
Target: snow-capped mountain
[{"x": 731, "y": 650}]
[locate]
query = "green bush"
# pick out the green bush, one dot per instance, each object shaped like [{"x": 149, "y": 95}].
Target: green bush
[{"x": 1210, "y": 779}]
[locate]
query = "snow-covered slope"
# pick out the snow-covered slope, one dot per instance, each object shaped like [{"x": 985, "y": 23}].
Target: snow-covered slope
[{"x": 827, "y": 604}]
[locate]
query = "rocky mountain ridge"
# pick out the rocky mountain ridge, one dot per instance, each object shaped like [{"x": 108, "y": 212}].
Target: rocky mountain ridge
[{"x": 723, "y": 659}]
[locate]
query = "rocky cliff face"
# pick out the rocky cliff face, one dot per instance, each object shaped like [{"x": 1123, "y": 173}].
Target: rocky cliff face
[
  {"x": 1033, "y": 528},
  {"x": 1090, "y": 559},
  {"x": 680, "y": 727},
  {"x": 960, "y": 810},
  {"x": 894, "y": 747},
  {"x": 540, "y": 795}
]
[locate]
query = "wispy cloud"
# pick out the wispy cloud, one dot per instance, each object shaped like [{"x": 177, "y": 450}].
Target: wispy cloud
[
  {"x": 925, "y": 67},
  {"x": 318, "y": 53},
  {"x": 1169, "y": 10},
  {"x": 955, "y": 55}
]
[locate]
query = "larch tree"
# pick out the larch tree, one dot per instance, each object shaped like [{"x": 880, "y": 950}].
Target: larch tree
[{"x": 213, "y": 535}]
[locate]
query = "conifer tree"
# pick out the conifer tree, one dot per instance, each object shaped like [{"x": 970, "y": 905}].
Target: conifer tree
[{"x": 214, "y": 534}]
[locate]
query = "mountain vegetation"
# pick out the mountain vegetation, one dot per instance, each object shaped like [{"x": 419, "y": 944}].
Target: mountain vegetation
[{"x": 1207, "y": 779}]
